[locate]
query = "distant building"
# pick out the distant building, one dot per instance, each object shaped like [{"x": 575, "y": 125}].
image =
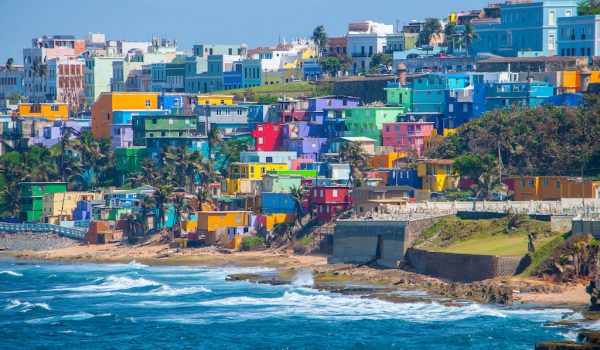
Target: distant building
[
  {"x": 364, "y": 40},
  {"x": 577, "y": 36}
]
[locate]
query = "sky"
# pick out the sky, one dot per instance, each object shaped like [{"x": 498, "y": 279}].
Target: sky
[{"x": 254, "y": 22}]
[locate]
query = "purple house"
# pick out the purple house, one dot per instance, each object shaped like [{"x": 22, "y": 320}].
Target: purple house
[
  {"x": 302, "y": 129},
  {"x": 51, "y": 135},
  {"x": 307, "y": 147},
  {"x": 317, "y": 105},
  {"x": 121, "y": 135}
]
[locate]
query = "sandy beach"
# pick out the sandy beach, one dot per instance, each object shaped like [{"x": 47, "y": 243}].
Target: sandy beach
[{"x": 524, "y": 290}]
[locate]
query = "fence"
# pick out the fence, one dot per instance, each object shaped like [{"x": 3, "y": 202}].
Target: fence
[{"x": 69, "y": 232}]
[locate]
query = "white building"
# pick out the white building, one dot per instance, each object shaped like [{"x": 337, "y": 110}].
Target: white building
[{"x": 366, "y": 39}]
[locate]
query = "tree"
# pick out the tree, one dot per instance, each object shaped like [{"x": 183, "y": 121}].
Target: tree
[
  {"x": 487, "y": 184},
  {"x": 162, "y": 194},
  {"x": 181, "y": 211},
  {"x": 380, "y": 63},
  {"x": 354, "y": 154},
  {"x": 332, "y": 65},
  {"x": 131, "y": 222},
  {"x": 470, "y": 35},
  {"x": 588, "y": 7},
  {"x": 9, "y": 63},
  {"x": 431, "y": 30},
  {"x": 319, "y": 36},
  {"x": 203, "y": 195},
  {"x": 474, "y": 165},
  {"x": 449, "y": 34},
  {"x": 231, "y": 152},
  {"x": 215, "y": 139},
  {"x": 299, "y": 194}
]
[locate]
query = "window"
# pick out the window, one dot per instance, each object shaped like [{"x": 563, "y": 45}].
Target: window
[
  {"x": 557, "y": 184},
  {"x": 154, "y": 121},
  {"x": 531, "y": 183},
  {"x": 170, "y": 121},
  {"x": 522, "y": 183},
  {"x": 260, "y": 140},
  {"x": 545, "y": 182},
  {"x": 552, "y": 18},
  {"x": 551, "y": 41},
  {"x": 335, "y": 193},
  {"x": 162, "y": 133},
  {"x": 147, "y": 103},
  {"x": 322, "y": 196},
  {"x": 54, "y": 108},
  {"x": 568, "y": 13}
]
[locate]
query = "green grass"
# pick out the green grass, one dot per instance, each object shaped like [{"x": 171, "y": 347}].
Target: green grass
[
  {"x": 487, "y": 237},
  {"x": 542, "y": 251},
  {"x": 276, "y": 89}
]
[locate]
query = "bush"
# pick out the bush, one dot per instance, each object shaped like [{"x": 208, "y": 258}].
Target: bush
[{"x": 252, "y": 243}]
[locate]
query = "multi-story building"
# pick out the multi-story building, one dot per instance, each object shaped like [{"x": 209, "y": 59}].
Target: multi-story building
[
  {"x": 98, "y": 76},
  {"x": 229, "y": 118},
  {"x": 401, "y": 42},
  {"x": 268, "y": 136},
  {"x": 11, "y": 82},
  {"x": 545, "y": 188},
  {"x": 408, "y": 135},
  {"x": 437, "y": 175},
  {"x": 528, "y": 94},
  {"x": 577, "y": 36},
  {"x": 268, "y": 157},
  {"x": 253, "y": 170},
  {"x": 36, "y": 57},
  {"x": 428, "y": 94},
  {"x": 525, "y": 28},
  {"x": 330, "y": 201},
  {"x": 167, "y": 77},
  {"x": 364, "y": 40},
  {"x": 30, "y": 198},
  {"x": 109, "y": 102},
  {"x": 65, "y": 81},
  {"x": 169, "y": 126},
  {"x": 369, "y": 121},
  {"x": 124, "y": 71},
  {"x": 59, "y": 206},
  {"x": 48, "y": 111},
  {"x": 337, "y": 46}
]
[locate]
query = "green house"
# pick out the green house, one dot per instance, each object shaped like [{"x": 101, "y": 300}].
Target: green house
[
  {"x": 368, "y": 121},
  {"x": 167, "y": 126},
  {"x": 280, "y": 183},
  {"x": 30, "y": 198},
  {"x": 127, "y": 159},
  {"x": 399, "y": 97}
]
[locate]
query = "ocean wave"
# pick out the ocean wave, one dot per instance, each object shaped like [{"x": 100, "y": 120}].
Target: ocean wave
[
  {"x": 331, "y": 306},
  {"x": 113, "y": 283},
  {"x": 136, "y": 265},
  {"x": 26, "y": 306},
  {"x": 165, "y": 290},
  {"x": 80, "y": 316},
  {"x": 12, "y": 273}
]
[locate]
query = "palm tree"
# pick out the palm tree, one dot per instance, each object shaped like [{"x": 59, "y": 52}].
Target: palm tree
[
  {"x": 9, "y": 65},
  {"x": 147, "y": 204},
  {"x": 203, "y": 195},
  {"x": 354, "y": 154},
  {"x": 182, "y": 210},
  {"x": 131, "y": 222},
  {"x": 214, "y": 139},
  {"x": 487, "y": 184},
  {"x": 151, "y": 172},
  {"x": 162, "y": 194},
  {"x": 319, "y": 36},
  {"x": 299, "y": 194},
  {"x": 431, "y": 30},
  {"x": 470, "y": 35},
  {"x": 449, "y": 34}
]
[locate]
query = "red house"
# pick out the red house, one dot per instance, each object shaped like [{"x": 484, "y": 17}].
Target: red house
[
  {"x": 268, "y": 136},
  {"x": 330, "y": 201}
]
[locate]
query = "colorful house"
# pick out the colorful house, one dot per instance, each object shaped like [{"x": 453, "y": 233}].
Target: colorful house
[
  {"x": 317, "y": 105},
  {"x": 368, "y": 121},
  {"x": 372, "y": 198},
  {"x": 279, "y": 157},
  {"x": 268, "y": 136},
  {"x": 157, "y": 126},
  {"x": 49, "y": 111},
  {"x": 399, "y": 96},
  {"x": 428, "y": 95},
  {"x": 108, "y": 102},
  {"x": 253, "y": 170},
  {"x": 31, "y": 198},
  {"x": 492, "y": 96},
  {"x": 277, "y": 202},
  {"x": 438, "y": 175},
  {"x": 368, "y": 144},
  {"x": 388, "y": 160},
  {"x": 407, "y": 136},
  {"x": 59, "y": 206},
  {"x": 307, "y": 147},
  {"x": 330, "y": 201},
  {"x": 528, "y": 188},
  {"x": 210, "y": 222},
  {"x": 280, "y": 183}
]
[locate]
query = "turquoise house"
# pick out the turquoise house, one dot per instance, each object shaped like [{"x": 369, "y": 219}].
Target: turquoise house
[
  {"x": 491, "y": 96},
  {"x": 428, "y": 94}
]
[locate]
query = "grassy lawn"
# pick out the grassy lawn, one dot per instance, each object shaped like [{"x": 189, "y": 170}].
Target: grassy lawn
[
  {"x": 301, "y": 87},
  {"x": 485, "y": 237}
]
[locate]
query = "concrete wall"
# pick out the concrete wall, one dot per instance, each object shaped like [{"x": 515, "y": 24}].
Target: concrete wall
[
  {"x": 358, "y": 241},
  {"x": 368, "y": 89},
  {"x": 462, "y": 267},
  {"x": 586, "y": 227}
]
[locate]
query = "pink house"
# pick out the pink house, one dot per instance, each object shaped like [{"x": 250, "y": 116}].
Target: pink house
[{"x": 406, "y": 135}]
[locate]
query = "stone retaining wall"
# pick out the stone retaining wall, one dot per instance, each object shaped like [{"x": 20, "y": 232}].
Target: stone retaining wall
[{"x": 461, "y": 267}]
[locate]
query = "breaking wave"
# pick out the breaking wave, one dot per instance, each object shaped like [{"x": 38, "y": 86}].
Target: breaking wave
[
  {"x": 113, "y": 283},
  {"x": 80, "y": 316},
  {"x": 12, "y": 273},
  {"x": 26, "y": 306}
]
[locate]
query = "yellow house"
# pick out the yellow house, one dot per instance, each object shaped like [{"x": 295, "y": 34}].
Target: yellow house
[
  {"x": 253, "y": 170},
  {"x": 59, "y": 206},
  {"x": 210, "y": 221},
  {"x": 235, "y": 186},
  {"x": 528, "y": 188},
  {"x": 214, "y": 99},
  {"x": 50, "y": 111},
  {"x": 108, "y": 102},
  {"x": 273, "y": 219},
  {"x": 438, "y": 175}
]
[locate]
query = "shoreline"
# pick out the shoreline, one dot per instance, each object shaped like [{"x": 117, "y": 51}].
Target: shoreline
[{"x": 507, "y": 290}]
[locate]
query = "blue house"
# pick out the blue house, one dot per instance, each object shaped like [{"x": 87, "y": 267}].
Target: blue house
[
  {"x": 577, "y": 36},
  {"x": 334, "y": 123},
  {"x": 491, "y": 96},
  {"x": 428, "y": 95},
  {"x": 567, "y": 99},
  {"x": 459, "y": 107},
  {"x": 523, "y": 29},
  {"x": 403, "y": 177},
  {"x": 277, "y": 202},
  {"x": 173, "y": 103}
]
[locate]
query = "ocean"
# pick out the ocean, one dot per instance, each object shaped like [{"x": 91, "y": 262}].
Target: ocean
[{"x": 47, "y": 305}]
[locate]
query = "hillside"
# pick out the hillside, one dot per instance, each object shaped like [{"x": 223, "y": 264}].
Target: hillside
[
  {"x": 490, "y": 237},
  {"x": 542, "y": 141},
  {"x": 294, "y": 89}
]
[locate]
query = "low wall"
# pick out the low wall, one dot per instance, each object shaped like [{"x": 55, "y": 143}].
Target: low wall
[
  {"x": 479, "y": 215},
  {"x": 586, "y": 227},
  {"x": 461, "y": 267}
]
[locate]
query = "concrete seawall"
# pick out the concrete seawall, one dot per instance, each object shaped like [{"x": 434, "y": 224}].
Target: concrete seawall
[{"x": 462, "y": 267}]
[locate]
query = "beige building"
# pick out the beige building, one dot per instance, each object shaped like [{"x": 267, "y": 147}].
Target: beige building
[{"x": 60, "y": 206}]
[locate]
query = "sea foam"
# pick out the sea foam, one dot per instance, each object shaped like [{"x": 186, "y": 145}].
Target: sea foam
[
  {"x": 26, "y": 306},
  {"x": 12, "y": 273}
]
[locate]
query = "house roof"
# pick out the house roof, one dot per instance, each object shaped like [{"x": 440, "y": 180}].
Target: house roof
[{"x": 357, "y": 139}]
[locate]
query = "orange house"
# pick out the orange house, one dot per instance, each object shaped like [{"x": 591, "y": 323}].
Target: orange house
[
  {"x": 528, "y": 188},
  {"x": 386, "y": 160},
  {"x": 108, "y": 102},
  {"x": 49, "y": 111}
]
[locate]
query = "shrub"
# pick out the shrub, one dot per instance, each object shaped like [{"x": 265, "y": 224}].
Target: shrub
[{"x": 252, "y": 243}]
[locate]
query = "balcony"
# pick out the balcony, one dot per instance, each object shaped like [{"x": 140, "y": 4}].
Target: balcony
[{"x": 362, "y": 54}]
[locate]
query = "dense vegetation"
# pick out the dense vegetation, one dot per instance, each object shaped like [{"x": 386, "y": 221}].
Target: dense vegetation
[{"x": 542, "y": 141}]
